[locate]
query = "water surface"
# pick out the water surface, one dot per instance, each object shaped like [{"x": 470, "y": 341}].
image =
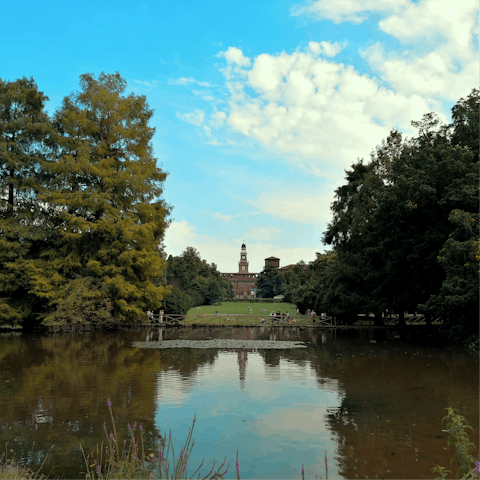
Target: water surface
[{"x": 375, "y": 408}]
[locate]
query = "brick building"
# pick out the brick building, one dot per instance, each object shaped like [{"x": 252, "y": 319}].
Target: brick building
[{"x": 244, "y": 282}]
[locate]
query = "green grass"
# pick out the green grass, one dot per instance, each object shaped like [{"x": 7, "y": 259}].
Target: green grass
[
  {"x": 236, "y": 313},
  {"x": 242, "y": 308}
]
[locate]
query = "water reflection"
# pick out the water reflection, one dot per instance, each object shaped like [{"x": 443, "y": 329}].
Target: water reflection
[{"x": 375, "y": 407}]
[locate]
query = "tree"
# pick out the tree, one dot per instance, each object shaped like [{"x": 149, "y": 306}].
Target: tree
[
  {"x": 24, "y": 129},
  {"x": 458, "y": 297},
  {"x": 269, "y": 282},
  {"x": 199, "y": 280},
  {"x": 108, "y": 217},
  {"x": 353, "y": 233}
]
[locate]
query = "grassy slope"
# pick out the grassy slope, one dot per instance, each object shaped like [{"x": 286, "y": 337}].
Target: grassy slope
[{"x": 242, "y": 308}]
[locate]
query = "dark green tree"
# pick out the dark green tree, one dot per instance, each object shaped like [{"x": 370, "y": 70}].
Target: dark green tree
[
  {"x": 107, "y": 216},
  {"x": 269, "y": 282},
  {"x": 457, "y": 300}
]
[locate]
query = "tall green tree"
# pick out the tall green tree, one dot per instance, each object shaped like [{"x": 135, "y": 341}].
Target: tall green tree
[
  {"x": 107, "y": 216},
  {"x": 24, "y": 130},
  {"x": 457, "y": 300},
  {"x": 269, "y": 282}
]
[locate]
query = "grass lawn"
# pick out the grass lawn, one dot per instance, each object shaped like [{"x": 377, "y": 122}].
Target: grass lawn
[{"x": 236, "y": 313}]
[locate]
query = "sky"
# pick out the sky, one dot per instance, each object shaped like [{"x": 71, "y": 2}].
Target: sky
[{"x": 259, "y": 107}]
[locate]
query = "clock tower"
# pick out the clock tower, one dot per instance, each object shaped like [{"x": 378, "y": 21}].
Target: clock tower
[{"x": 243, "y": 264}]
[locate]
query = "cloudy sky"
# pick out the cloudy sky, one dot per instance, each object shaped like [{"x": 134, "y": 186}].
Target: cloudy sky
[{"x": 259, "y": 106}]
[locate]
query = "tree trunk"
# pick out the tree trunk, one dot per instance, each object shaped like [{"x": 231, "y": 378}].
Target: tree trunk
[
  {"x": 10, "y": 194},
  {"x": 428, "y": 319},
  {"x": 401, "y": 318}
]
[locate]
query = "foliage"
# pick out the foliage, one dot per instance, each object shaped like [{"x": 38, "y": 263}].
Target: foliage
[
  {"x": 24, "y": 129},
  {"x": 119, "y": 461},
  {"x": 269, "y": 283},
  {"x": 79, "y": 198},
  {"x": 177, "y": 302},
  {"x": 201, "y": 282},
  {"x": 83, "y": 303},
  {"x": 404, "y": 232},
  {"x": 457, "y": 437}
]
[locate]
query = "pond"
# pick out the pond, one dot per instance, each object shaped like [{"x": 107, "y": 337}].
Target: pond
[{"x": 374, "y": 408}]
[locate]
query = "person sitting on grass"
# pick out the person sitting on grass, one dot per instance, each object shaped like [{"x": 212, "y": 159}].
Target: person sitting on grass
[
  {"x": 314, "y": 316},
  {"x": 262, "y": 320},
  {"x": 294, "y": 320}
]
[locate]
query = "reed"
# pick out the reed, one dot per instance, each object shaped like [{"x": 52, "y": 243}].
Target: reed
[{"x": 114, "y": 459}]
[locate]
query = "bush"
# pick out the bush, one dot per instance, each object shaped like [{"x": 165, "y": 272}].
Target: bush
[
  {"x": 177, "y": 303},
  {"x": 84, "y": 305}
]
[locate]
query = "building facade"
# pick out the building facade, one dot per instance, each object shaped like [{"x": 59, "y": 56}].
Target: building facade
[{"x": 245, "y": 282}]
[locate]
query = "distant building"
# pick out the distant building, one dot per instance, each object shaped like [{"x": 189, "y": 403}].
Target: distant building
[{"x": 244, "y": 282}]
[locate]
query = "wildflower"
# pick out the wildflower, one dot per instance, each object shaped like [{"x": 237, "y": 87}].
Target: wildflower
[
  {"x": 124, "y": 442},
  {"x": 141, "y": 428},
  {"x": 184, "y": 468},
  {"x": 98, "y": 469},
  {"x": 224, "y": 473},
  {"x": 128, "y": 426},
  {"x": 109, "y": 403},
  {"x": 193, "y": 443},
  {"x": 111, "y": 436},
  {"x": 160, "y": 455},
  {"x": 181, "y": 453},
  {"x": 477, "y": 467},
  {"x": 303, "y": 473}
]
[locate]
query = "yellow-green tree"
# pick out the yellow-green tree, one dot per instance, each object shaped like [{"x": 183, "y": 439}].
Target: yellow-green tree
[
  {"x": 24, "y": 129},
  {"x": 106, "y": 215}
]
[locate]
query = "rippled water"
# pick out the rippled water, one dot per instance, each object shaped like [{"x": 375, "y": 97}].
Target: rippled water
[{"x": 375, "y": 408}]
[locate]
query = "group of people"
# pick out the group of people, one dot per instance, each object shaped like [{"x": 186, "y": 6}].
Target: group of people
[{"x": 279, "y": 317}]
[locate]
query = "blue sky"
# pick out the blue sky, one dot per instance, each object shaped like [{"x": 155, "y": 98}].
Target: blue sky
[{"x": 259, "y": 106}]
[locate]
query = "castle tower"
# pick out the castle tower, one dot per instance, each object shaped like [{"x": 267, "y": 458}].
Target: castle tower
[
  {"x": 272, "y": 261},
  {"x": 243, "y": 264}
]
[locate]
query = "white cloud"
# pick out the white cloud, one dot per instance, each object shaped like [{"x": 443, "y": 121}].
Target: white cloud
[
  {"x": 262, "y": 233},
  {"x": 327, "y": 48},
  {"x": 226, "y": 217},
  {"x": 447, "y": 64},
  {"x": 186, "y": 81},
  {"x": 318, "y": 114},
  {"x": 196, "y": 118},
  {"x": 217, "y": 119},
  {"x": 354, "y": 11},
  {"x": 428, "y": 19},
  {"x": 296, "y": 204},
  {"x": 146, "y": 84},
  {"x": 235, "y": 55}
]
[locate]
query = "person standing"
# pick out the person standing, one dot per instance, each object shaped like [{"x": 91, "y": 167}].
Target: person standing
[
  {"x": 272, "y": 316},
  {"x": 298, "y": 311}
]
